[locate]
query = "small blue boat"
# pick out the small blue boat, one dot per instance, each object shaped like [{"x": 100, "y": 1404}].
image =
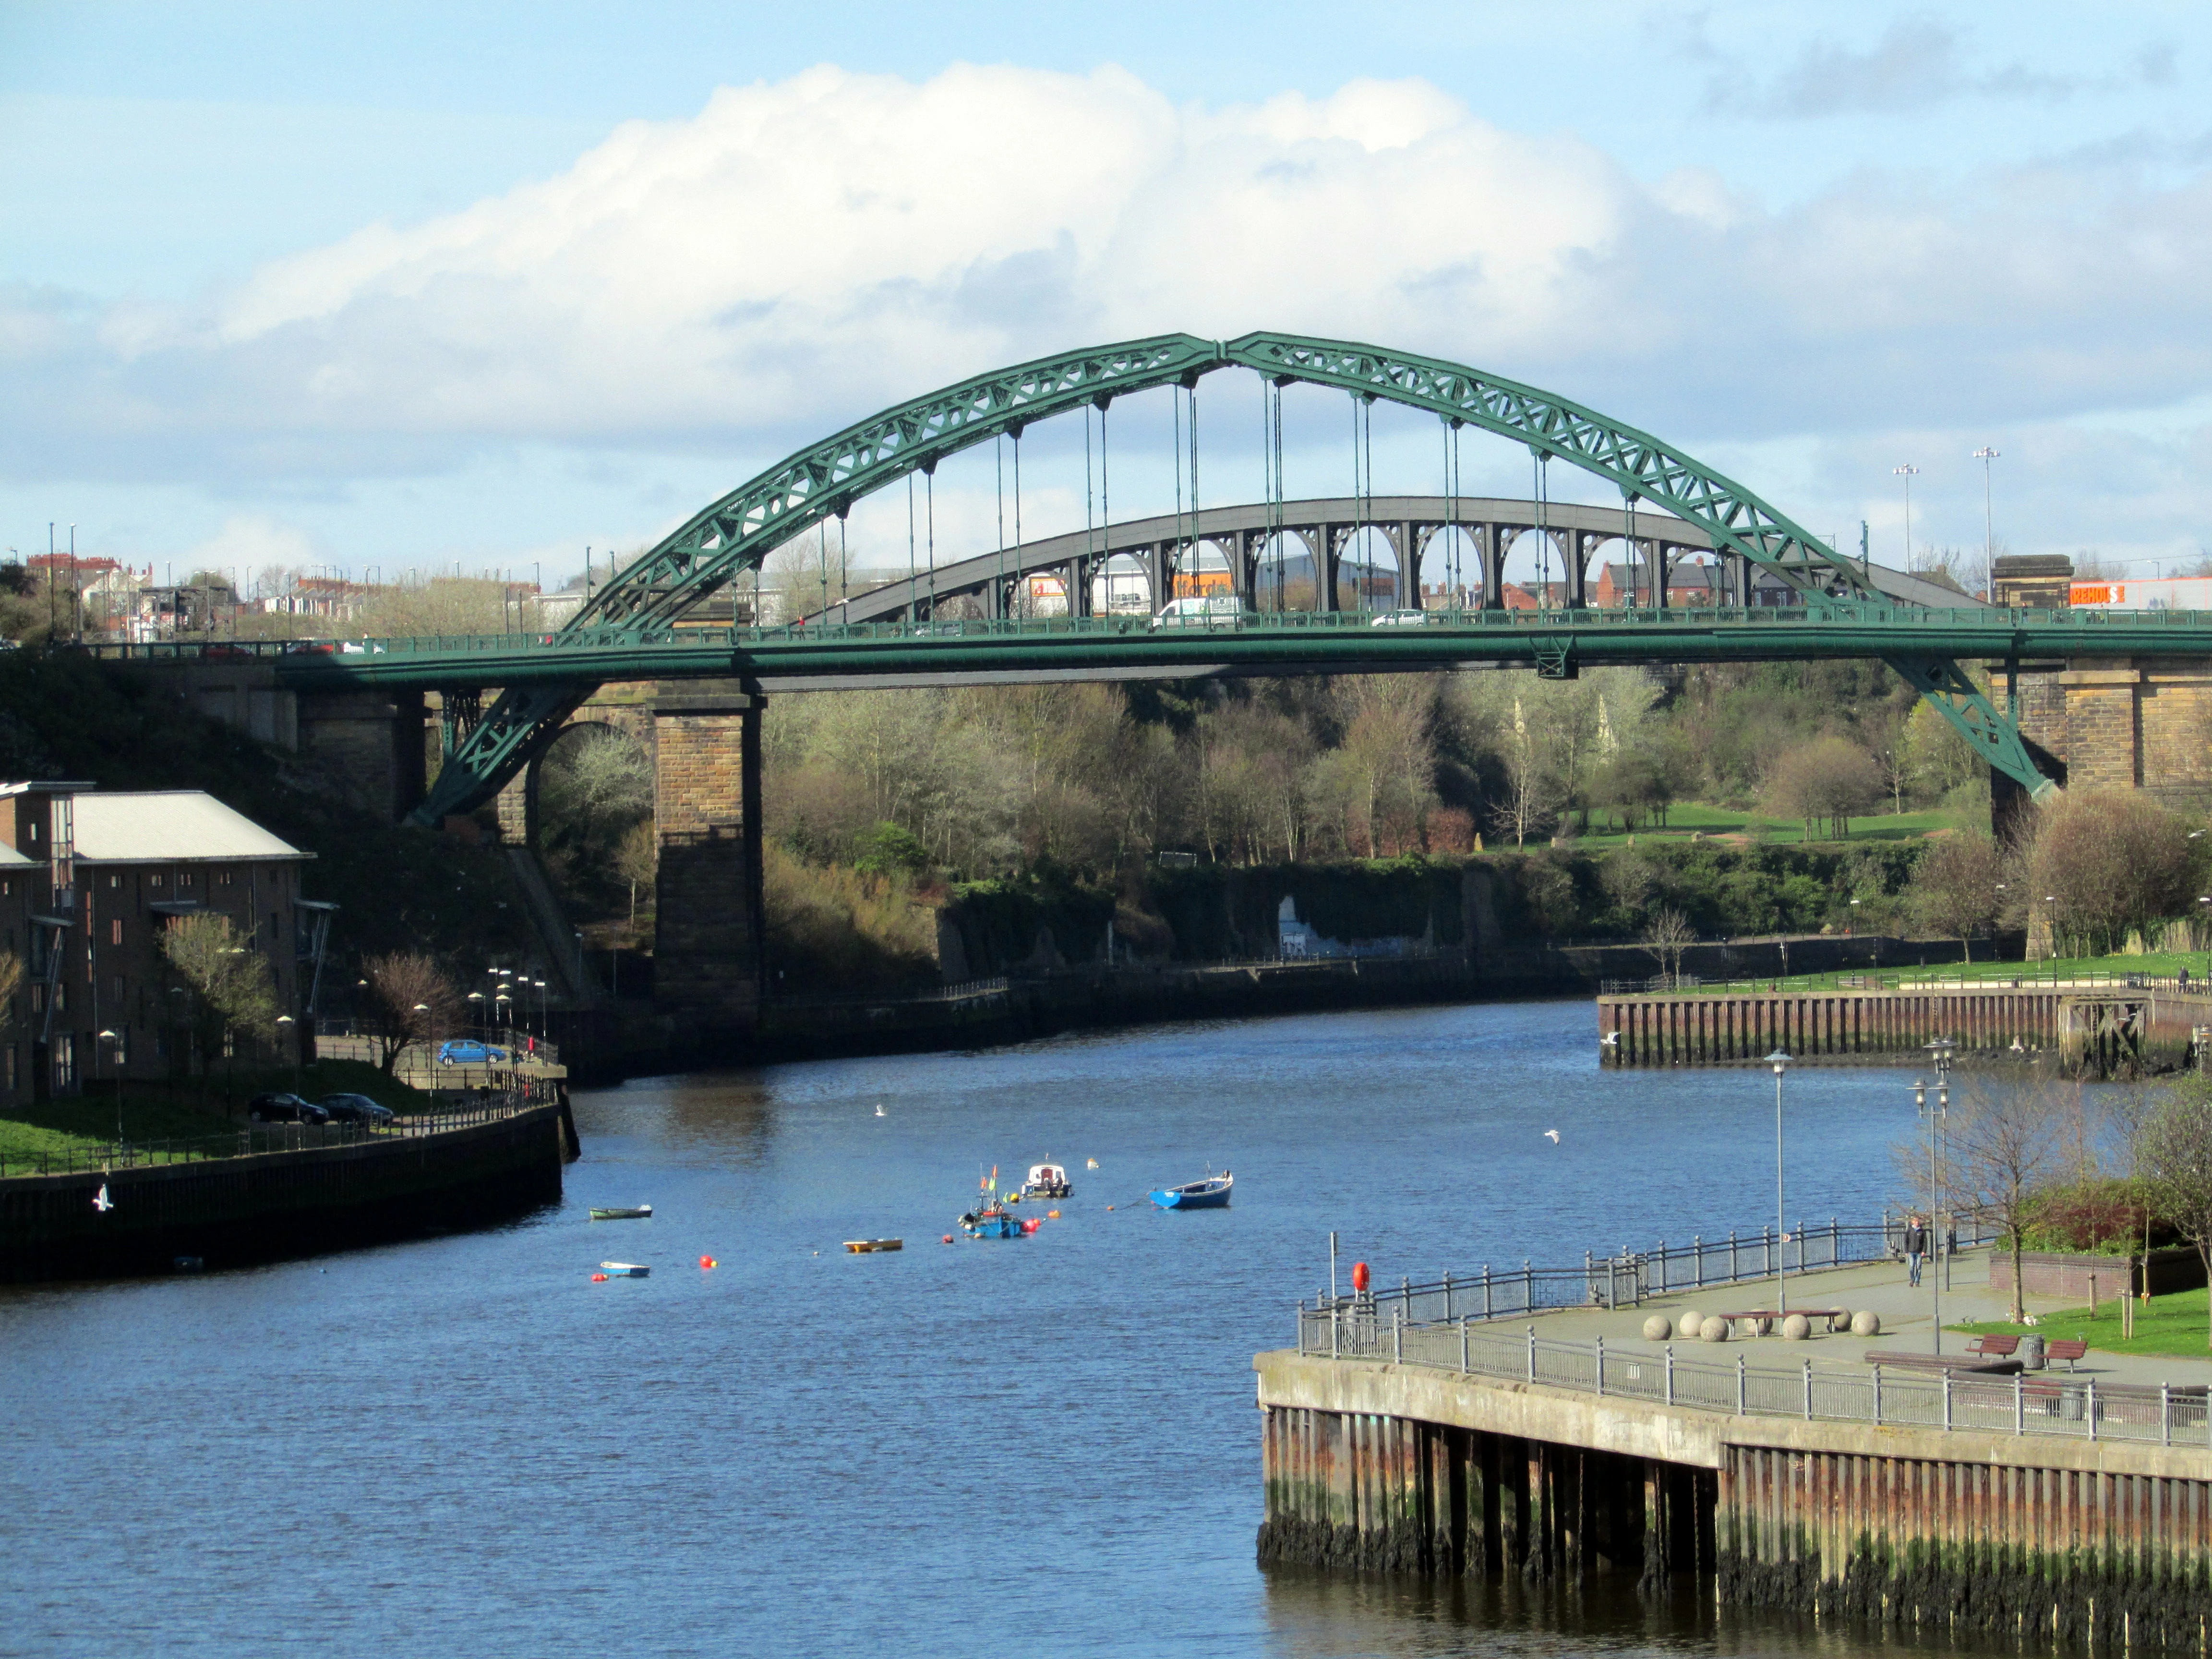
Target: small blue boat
[
  {"x": 993, "y": 1222},
  {"x": 1211, "y": 1193},
  {"x": 624, "y": 1270}
]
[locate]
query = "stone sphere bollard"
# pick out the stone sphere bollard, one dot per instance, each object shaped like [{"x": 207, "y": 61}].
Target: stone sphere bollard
[
  {"x": 1714, "y": 1329},
  {"x": 1839, "y": 1321},
  {"x": 1686, "y": 1323},
  {"x": 1866, "y": 1323},
  {"x": 1657, "y": 1328},
  {"x": 1797, "y": 1327}
]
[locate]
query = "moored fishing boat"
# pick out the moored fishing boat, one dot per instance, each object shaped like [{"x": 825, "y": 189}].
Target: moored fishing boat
[
  {"x": 1211, "y": 1193},
  {"x": 623, "y": 1270},
  {"x": 870, "y": 1246},
  {"x": 992, "y": 1221},
  {"x": 1047, "y": 1181},
  {"x": 621, "y": 1212}
]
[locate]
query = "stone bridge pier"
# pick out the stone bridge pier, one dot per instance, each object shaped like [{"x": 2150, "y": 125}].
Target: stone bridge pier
[{"x": 708, "y": 957}]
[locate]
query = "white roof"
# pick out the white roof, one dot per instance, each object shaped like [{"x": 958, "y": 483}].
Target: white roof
[{"x": 169, "y": 826}]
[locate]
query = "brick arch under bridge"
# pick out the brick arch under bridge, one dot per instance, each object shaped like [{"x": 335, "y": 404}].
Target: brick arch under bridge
[{"x": 626, "y": 709}]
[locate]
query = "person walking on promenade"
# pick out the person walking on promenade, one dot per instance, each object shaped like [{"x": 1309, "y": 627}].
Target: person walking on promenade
[{"x": 1916, "y": 1247}]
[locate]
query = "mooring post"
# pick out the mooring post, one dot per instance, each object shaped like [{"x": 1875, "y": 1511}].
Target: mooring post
[
  {"x": 1398, "y": 1345},
  {"x": 1698, "y": 1255},
  {"x": 1463, "y": 1365},
  {"x": 1670, "y": 1373},
  {"x": 2164, "y": 1411},
  {"x": 1448, "y": 1296},
  {"x": 1598, "y": 1350},
  {"x": 1302, "y": 1329},
  {"x": 1739, "y": 1385},
  {"x": 1947, "y": 1400},
  {"x": 1877, "y": 1394},
  {"x": 1336, "y": 1329},
  {"x": 1532, "y": 1353},
  {"x": 2020, "y": 1402},
  {"x": 1809, "y": 1391},
  {"x": 1528, "y": 1286},
  {"x": 2092, "y": 1407},
  {"x": 1486, "y": 1289},
  {"x": 1732, "y": 1273}
]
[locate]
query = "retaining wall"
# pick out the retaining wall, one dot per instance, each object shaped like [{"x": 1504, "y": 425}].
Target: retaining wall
[
  {"x": 234, "y": 1210},
  {"x": 2047, "y": 1542}
]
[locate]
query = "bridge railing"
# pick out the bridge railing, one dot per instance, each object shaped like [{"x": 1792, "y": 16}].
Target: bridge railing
[
  {"x": 338, "y": 651},
  {"x": 2071, "y": 1407}
]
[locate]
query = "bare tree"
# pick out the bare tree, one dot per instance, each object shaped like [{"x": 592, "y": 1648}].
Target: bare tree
[
  {"x": 233, "y": 991},
  {"x": 2113, "y": 861},
  {"x": 1829, "y": 778},
  {"x": 2003, "y": 1147},
  {"x": 2177, "y": 1167},
  {"x": 1526, "y": 805},
  {"x": 1954, "y": 889},
  {"x": 1670, "y": 935},
  {"x": 410, "y": 1000},
  {"x": 637, "y": 861}
]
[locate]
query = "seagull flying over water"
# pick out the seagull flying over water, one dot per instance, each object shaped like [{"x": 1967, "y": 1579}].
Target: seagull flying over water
[
  {"x": 101, "y": 1201},
  {"x": 1552, "y": 1135},
  {"x": 879, "y": 1108}
]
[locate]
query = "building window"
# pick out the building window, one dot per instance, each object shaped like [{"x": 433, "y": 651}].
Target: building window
[
  {"x": 223, "y": 877},
  {"x": 183, "y": 878},
  {"x": 115, "y": 931},
  {"x": 155, "y": 879},
  {"x": 64, "y": 1062},
  {"x": 7, "y": 887},
  {"x": 114, "y": 883}
]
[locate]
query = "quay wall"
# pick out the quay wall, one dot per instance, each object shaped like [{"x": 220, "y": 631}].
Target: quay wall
[
  {"x": 231, "y": 1211},
  {"x": 2099, "y": 1032},
  {"x": 2048, "y": 1543}
]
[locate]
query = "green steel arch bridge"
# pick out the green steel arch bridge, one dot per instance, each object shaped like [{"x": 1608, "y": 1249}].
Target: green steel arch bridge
[{"x": 635, "y": 628}]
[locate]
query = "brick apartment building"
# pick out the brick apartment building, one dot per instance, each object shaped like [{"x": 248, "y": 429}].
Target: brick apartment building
[{"x": 88, "y": 881}]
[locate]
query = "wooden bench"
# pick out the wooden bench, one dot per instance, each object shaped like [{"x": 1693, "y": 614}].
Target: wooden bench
[
  {"x": 1994, "y": 1347},
  {"x": 1897, "y": 1359},
  {"x": 1762, "y": 1320},
  {"x": 2070, "y": 1349}
]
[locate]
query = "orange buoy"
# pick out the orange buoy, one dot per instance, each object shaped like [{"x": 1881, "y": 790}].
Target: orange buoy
[
  {"x": 1110, "y": 1207},
  {"x": 1359, "y": 1276},
  {"x": 1052, "y": 1215},
  {"x": 598, "y": 1278},
  {"x": 948, "y": 1238},
  {"x": 707, "y": 1261}
]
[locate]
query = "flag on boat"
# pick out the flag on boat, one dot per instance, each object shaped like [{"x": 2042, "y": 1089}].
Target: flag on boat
[{"x": 101, "y": 1201}]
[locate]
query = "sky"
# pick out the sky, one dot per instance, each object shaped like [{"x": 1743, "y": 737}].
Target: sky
[{"x": 383, "y": 287}]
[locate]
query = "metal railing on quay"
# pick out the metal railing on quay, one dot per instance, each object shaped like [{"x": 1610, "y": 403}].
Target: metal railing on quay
[
  {"x": 253, "y": 1139},
  {"x": 1628, "y": 1277},
  {"x": 2046, "y": 1404},
  {"x": 2013, "y": 978}
]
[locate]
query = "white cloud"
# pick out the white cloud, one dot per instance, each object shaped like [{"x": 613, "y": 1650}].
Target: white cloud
[
  {"x": 248, "y": 542},
  {"x": 802, "y": 252}
]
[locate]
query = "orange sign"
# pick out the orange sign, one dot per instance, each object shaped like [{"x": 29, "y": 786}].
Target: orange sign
[{"x": 1202, "y": 584}]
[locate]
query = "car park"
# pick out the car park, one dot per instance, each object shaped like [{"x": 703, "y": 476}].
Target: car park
[
  {"x": 278, "y": 1107},
  {"x": 355, "y": 1108}
]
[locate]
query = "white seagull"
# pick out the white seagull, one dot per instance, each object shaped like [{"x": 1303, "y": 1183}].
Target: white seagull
[
  {"x": 879, "y": 1108},
  {"x": 101, "y": 1201},
  {"x": 1552, "y": 1135}
]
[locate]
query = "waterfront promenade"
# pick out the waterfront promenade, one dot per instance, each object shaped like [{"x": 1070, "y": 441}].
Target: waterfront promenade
[{"x": 1830, "y": 1474}]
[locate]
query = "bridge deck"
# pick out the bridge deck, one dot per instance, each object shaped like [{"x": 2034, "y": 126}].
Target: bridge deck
[{"x": 1281, "y": 643}]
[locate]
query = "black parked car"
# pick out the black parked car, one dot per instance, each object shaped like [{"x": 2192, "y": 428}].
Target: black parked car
[
  {"x": 355, "y": 1108},
  {"x": 278, "y": 1107}
]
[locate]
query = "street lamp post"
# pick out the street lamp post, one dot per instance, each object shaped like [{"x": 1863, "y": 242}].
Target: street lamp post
[
  {"x": 289, "y": 1027},
  {"x": 1943, "y": 1049},
  {"x": 1780, "y": 1063},
  {"x": 113, "y": 1045},
  {"x": 1908, "y": 472},
  {"x": 430, "y": 1024},
  {"x": 1985, "y": 455}
]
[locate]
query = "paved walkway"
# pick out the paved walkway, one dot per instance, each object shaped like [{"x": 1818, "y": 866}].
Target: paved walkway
[{"x": 1906, "y": 1321}]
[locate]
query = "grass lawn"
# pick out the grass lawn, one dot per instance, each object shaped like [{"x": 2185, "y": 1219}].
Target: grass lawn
[
  {"x": 2171, "y": 1324},
  {"x": 1689, "y": 818},
  {"x": 151, "y": 1111}
]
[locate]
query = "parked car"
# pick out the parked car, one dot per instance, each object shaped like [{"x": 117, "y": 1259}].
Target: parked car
[
  {"x": 467, "y": 1051},
  {"x": 355, "y": 1108},
  {"x": 277, "y": 1106},
  {"x": 1208, "y": 610},
  {"x": 311, "y": 648}
]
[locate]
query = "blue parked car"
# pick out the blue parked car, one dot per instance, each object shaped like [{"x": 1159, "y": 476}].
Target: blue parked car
[{"x": 467, "y": 1051}]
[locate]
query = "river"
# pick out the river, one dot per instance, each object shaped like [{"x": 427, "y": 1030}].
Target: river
[{"x": 463, "y": 1446}]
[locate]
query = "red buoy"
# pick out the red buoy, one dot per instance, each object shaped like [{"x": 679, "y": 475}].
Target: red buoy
[
  {"x": 1359, "y": 1276},
  {"x": 598, "y": 1278}
]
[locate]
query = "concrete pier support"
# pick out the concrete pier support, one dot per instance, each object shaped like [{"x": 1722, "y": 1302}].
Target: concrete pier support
[{"x": 706, "y": 811}]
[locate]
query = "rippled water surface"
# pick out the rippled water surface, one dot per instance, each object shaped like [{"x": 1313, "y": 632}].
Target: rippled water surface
[{"x": 463, "y": 1446}]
